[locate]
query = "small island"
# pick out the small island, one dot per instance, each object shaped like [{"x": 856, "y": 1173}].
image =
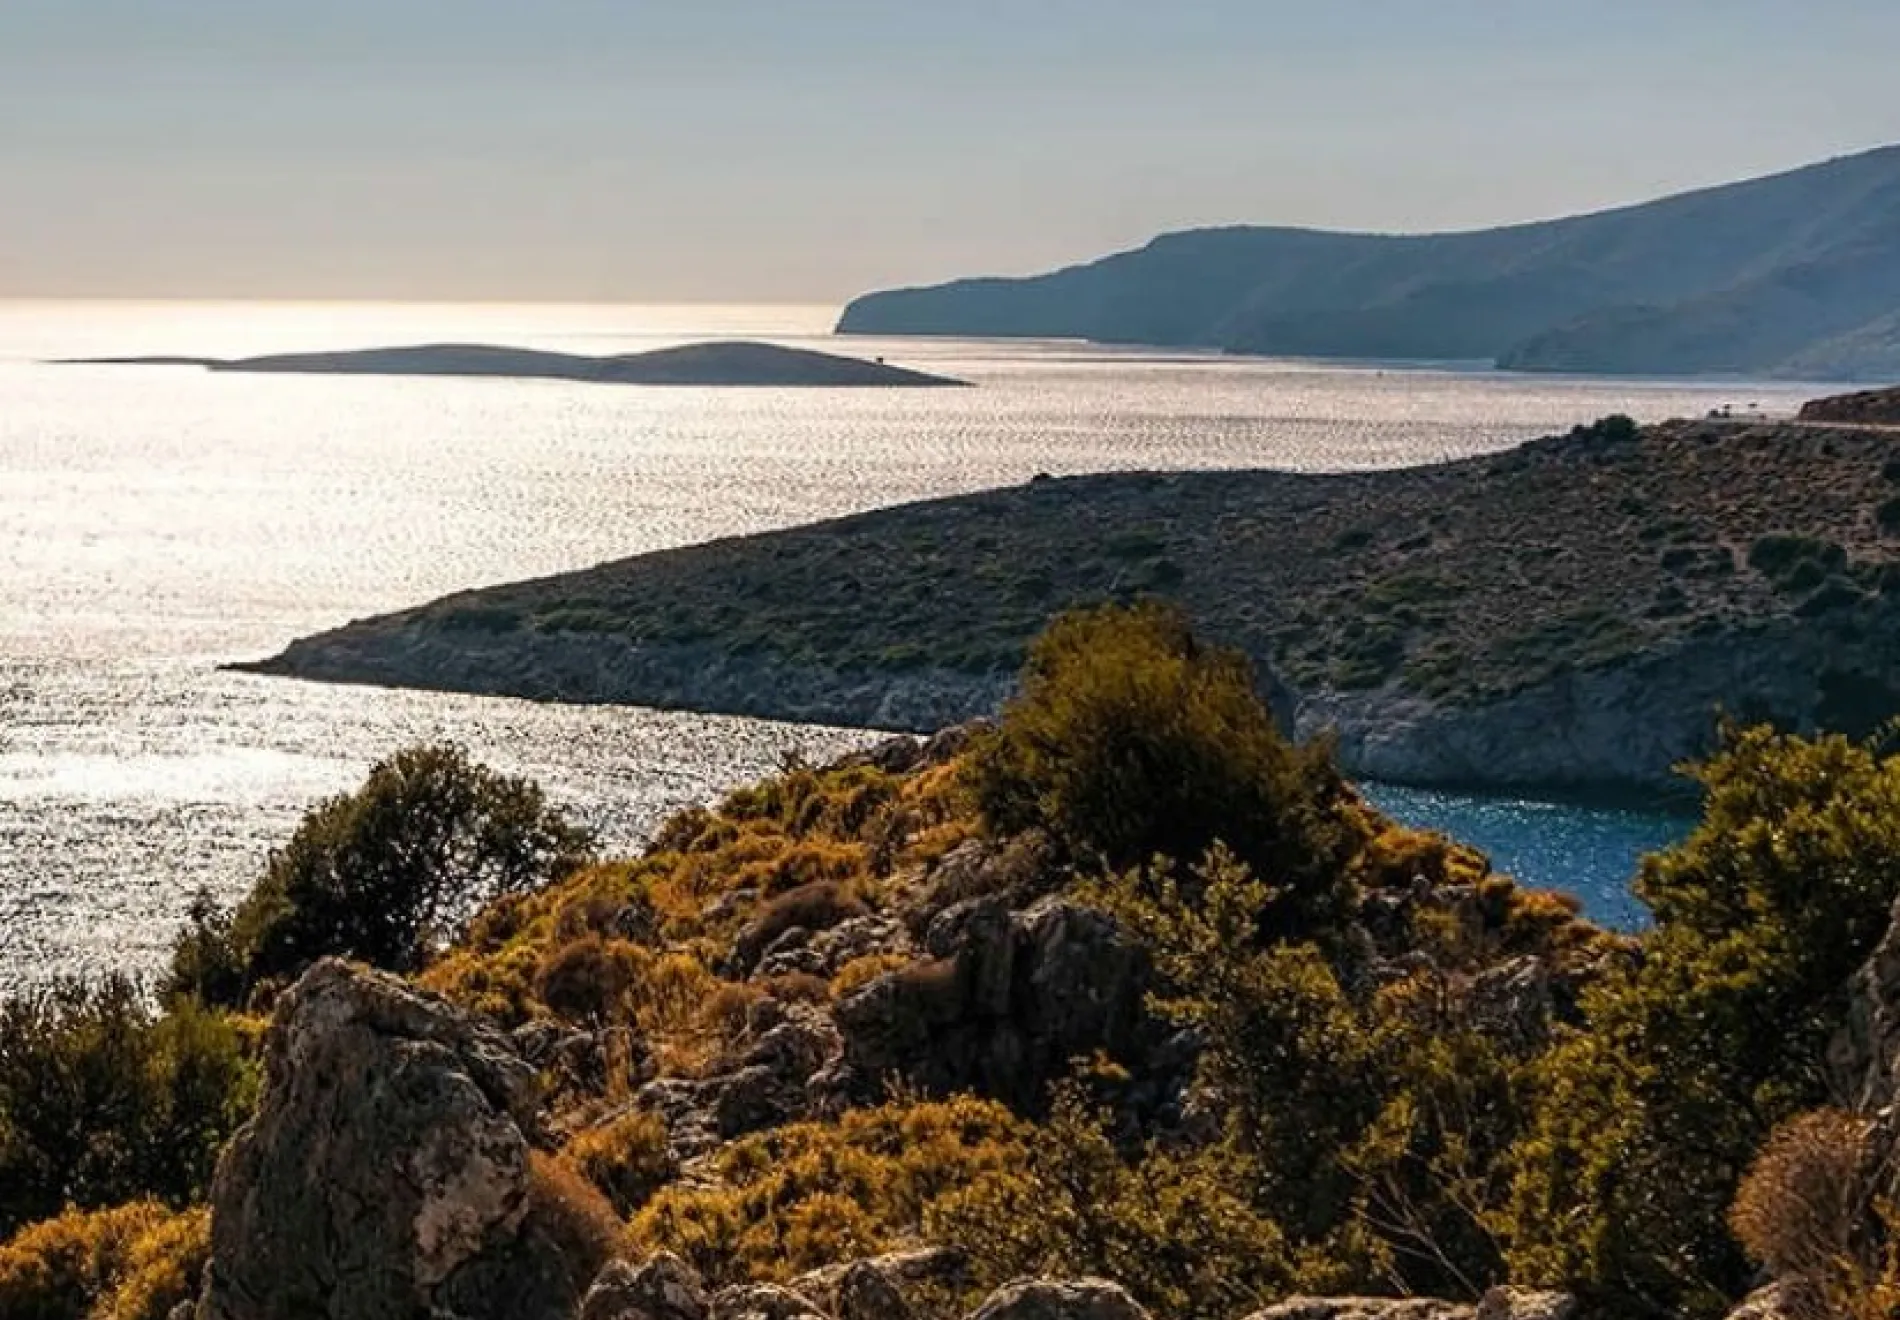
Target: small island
[
  {"x": 724, "y": 363},
  {"x": 1567, "y": 616}
]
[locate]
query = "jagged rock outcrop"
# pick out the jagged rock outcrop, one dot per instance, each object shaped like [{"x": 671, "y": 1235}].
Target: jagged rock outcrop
[
  {"x": 387, "y": 1172},
  {"x": 1060, "y": 1299},
  {"x": 665, "y": 1288},
  {"x": 768, "y": 1081},
  {"x": 1004, "y": 1003}
]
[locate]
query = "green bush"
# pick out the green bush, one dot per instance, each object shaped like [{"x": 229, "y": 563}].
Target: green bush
[
  {"x": 387, "y": 875},
  {"x": 1646, "y": 1123},
  {"x": 103, "y": 1102},
  {"x": 1795, "y": 564},
  {"x": 1132, "y": 740},
  {"x": 1172, "y": 1225}
]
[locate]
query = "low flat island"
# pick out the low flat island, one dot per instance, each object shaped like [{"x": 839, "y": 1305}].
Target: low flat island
[{"x": 725, "y": 363}]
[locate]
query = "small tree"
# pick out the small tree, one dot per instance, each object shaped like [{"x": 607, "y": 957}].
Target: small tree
[
  {"x": 389, "y": 874},
  {"x": 1133, "y": 740}
]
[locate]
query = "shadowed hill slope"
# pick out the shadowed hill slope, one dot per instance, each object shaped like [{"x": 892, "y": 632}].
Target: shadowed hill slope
[{"x": 1796, "y": 274}]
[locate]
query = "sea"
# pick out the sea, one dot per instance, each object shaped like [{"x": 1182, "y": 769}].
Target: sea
[{"x": 157, "y": 522}]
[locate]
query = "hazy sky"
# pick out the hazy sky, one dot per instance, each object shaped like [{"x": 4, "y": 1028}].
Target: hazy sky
[{"x": 811, "y": 149}]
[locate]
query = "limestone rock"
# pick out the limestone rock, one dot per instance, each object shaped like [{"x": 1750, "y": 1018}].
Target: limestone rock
[
  {"x": 1365, "y": 1308},
  {"x": 1498, "y": 1304},
  {"x": 1527, "y": 1304},
  {"x": 865, "y": 1293},
  {"x": 1006, "y": 1001},
  {"x": 1781, "y": 1302},
  {"x": 763, "y": 1301},
  {"x": 665, "y": 1288},
  {"x": 823, "y": 953},
  {"x": 846, "y": 1291},
  {"x": 386, "y": 1172},
  {"x": 1060, "y": 1299}
]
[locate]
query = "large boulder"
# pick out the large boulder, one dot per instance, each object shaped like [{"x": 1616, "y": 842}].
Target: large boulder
[
  {"x": 1060, "y": 1299},
  {"x": 387, "y": 1172}
]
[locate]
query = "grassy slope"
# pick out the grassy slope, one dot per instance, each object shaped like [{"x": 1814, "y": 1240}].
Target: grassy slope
[{"x": 1461, "y": 582}]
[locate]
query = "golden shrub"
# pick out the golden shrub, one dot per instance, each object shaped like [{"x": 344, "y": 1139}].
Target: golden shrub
[
  {"x": 860, "y": 972},
  {"x": 1807, "y": 1210},
  {"x": 162, "y": 1270},
  {"x": 132, "y": 1262},
  {"x": 808, "y": 1195},
  {"x": 626, "y": 1157}
]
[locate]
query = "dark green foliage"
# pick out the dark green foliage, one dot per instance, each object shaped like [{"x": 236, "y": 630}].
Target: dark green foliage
[
  {"x": 1370, "y": 1129},
  {"x": 1796, "y": 564},
  {"x": 1174, "y": 1226},
  {"x": 1616, "y": 429},
  {"x": 103, "y": 1102},
  {"x": 386, "y": 875},
  {"x": 1131, "y": 740},
  {"x": 1647, "y": 1122}
]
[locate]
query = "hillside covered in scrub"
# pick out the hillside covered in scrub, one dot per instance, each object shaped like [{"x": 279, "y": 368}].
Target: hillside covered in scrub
[
  {"x": 1569, "y": 614},
  {"x": 1794, "y": 275},
  {"x": 1122, "y": 1007}
]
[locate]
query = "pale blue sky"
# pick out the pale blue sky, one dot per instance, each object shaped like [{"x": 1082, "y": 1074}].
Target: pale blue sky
[{"x": 810, "y": 149}]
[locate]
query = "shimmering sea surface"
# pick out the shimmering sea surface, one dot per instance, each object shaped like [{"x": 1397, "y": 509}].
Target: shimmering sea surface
[{"x": 155, "y": 522}]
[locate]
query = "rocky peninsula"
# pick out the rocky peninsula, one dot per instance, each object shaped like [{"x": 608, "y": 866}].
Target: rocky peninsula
[
  {"x": 735, "y": 363},
  {"x": 1568, "y": 615}
]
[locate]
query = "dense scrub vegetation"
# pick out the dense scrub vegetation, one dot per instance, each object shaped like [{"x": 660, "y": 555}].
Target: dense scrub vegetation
[
  {"x": 1408, "y": 1075},
  {"x": 1459, "y": 581}
]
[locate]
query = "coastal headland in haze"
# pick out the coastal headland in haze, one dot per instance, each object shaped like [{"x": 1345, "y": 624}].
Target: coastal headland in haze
[{"x": 1796, "y": 275}]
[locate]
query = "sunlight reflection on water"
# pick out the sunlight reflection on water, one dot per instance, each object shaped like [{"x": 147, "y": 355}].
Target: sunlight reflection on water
[{"x": 155, "y": 522}]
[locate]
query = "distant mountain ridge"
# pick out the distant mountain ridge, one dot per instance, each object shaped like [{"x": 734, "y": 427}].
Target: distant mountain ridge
[{"x": 1796, "y": 274}]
